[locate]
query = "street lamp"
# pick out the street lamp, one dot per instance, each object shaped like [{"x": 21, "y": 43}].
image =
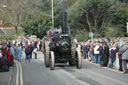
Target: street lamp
[{"x": 52, "y": 14}]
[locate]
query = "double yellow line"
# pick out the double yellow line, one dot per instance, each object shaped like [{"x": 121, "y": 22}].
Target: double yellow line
[{"x": 19, "y": 75}]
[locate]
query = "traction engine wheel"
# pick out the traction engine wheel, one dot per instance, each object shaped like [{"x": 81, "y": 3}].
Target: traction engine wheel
[
  {"x": 73, "y": 51},
  {"x": 46, "y": 56},
  {"x": 78, "y": 60},
  {"x": 52, "y": 60}
]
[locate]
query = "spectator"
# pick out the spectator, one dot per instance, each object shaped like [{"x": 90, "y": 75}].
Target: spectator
[
  {"x": 35, "y": 52},
  {"x": 106, "y": 54},
  {"x": 28, "y": 51},
  {"x": 33, "y": 44},
  {"x": 84, "y": 51},
  {"x": 3, "y": 64},
  {"x": 100, "y": 49},
  {"x": 5, "y": 55},
  {"x": 113, "y": 52},
  {"x": 79, "y": 47},
  {"x": 124, "y": 50},
  {"x": 0, "y": 54},
  {"x": 96, "y": 52},
  {"x": 12, "y": 52},
  {"x": 8, "y": 57},
  {"x": 87, "y": 49},
  {"x": 40, "y": 45},
  {"x": 91, "y": 50},
  {"x": 120, "y": 61},
  {"x": 75, "y": 41},
  {"x": 31, "y": 50},
  {"x": 19, "y": 52},
  {"x": 9, "y": 43},
  {"x": 23, "y": 43},
  {"x": 15, "y": 56},
  {"x": 108, "y": 41}
]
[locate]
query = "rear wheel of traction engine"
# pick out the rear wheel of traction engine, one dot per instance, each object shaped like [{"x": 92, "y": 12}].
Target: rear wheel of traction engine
[
  {"x": 46, "y": 57},
  {"x": 73, "y": 50},
  {"x": 52, "y": 60},
  {"x": 78, "y": 60}
]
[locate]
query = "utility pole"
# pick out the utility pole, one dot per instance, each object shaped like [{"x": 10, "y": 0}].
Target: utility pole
[
  {"x": 52, "y": 14},
  {"x": 1, "y": 23}
]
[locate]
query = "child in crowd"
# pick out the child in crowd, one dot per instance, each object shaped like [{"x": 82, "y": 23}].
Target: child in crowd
[
  {"x": 0, "y": 54},
  {"x": 35, "y": 52}
]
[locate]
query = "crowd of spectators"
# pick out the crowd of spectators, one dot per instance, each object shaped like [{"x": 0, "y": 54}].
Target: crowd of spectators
[
  {"x": 13, "y": 50},
  {"x": 105, "y": 52}
]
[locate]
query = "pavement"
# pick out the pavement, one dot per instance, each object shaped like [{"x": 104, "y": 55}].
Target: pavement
[
  {"x": 7, "y": 78},
  {"x": 4, "y": 77},
  {"x": 35, "y": 73}
]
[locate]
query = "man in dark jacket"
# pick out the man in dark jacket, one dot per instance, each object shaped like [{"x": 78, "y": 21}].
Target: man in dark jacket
[
  {"x": 120, "y": 61},
  {"x": 28, "y": 51},
  {"x": 31, "y": 50},
  {"x": 105, "y": 54},
  {"x": 101, "y": 50},
  {"x": 85, "y": 50}
]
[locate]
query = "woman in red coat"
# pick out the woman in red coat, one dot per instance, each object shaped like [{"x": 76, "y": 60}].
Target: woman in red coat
[{"x": 6, "y": 55}]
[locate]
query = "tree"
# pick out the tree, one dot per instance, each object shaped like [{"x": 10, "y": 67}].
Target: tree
[
  {"x": 37, "y": 26},
  {"x": 92, "y": 15},
  {"x": 14, "y": 10},
  {"x": 125, "y": 1},
  {"x": 83, "y": 15},
  {"x": 97, "y": 15}
]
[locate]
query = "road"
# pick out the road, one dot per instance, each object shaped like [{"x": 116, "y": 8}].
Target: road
[{"x": 35, "y": 73}]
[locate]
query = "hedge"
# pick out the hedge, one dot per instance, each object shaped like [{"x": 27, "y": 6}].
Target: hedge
[{"x": 7, "y": 37}]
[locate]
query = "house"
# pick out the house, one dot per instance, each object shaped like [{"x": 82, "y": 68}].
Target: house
[{"x": 7, "y": 30}]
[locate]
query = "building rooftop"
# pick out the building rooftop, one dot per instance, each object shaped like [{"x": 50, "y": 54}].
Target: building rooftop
[{"x": 7, "y": 30}]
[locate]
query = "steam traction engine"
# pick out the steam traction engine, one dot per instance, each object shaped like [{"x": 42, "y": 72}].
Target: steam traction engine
[{"x": 59, "y": 48}]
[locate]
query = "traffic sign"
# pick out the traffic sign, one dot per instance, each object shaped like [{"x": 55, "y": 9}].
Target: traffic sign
[{"x": 90, "y": 34}]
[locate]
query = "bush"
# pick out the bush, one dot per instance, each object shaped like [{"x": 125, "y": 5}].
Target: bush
[
  {"x": 125, "y": 34},
  {"x": 82, "y": 36},
  {"x": 7, "y": 37},
  {"x": 37, "y": 26}
]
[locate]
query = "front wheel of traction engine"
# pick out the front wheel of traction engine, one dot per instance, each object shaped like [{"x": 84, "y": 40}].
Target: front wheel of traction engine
[
  {"x": 73, "y": 50},
  {"x": 47, "y": 53},
  {"x": 52, "y": 60},
  {"x": 46, "y": 60},
  {"x": 78, "y": 60}
]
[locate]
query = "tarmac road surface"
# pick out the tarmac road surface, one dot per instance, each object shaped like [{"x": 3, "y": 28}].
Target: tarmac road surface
[{"x": 35, "y": 73}]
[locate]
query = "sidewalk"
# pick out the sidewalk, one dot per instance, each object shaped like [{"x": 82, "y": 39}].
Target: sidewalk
[
  {"x": 107, "y": 68},
  {"x": 5, "y": 77}
]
